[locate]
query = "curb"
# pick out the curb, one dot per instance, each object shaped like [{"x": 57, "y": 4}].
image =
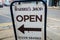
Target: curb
[{"x": 53, "y": 7}]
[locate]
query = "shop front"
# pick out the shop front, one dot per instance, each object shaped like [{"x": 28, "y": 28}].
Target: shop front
[{"x": 53, "y": 2}]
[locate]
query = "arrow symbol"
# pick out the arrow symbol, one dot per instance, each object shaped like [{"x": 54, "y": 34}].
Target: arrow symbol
[{"x": 22, "y": 29}]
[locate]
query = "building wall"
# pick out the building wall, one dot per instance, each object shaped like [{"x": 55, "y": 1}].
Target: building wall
[
  {"x": 51, "y": 2},
  {"x": 45, "y": 1},
  {"x": 58, "y": 3}
]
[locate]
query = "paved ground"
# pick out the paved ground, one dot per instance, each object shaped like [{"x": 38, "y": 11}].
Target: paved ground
[
  {"x": 7, "y": 34},
  {"x": 53, "y": 25}
]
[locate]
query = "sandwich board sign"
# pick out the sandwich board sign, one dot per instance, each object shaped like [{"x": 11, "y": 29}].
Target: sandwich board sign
[{"x": 29, "y": 20}]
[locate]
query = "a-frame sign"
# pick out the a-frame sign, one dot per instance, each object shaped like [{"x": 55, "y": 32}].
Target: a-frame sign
[{"x": 29, "y": 19}]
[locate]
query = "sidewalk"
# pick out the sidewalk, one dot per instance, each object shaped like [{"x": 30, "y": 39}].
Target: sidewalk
[
  {"x": 53, "y": 32},
  {"x": 7, "y": 34},
  {"x": 54, "y": 24},
  {"x": 53, "y": 29}
]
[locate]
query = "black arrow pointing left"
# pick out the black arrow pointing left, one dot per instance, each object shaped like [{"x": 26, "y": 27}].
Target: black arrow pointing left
[{"x": 22, "y": 29}]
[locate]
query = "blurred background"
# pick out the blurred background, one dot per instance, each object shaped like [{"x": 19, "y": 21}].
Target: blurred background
[
  {"x": 53, "y": 20},
  {"x": 49, "y": 2}
]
